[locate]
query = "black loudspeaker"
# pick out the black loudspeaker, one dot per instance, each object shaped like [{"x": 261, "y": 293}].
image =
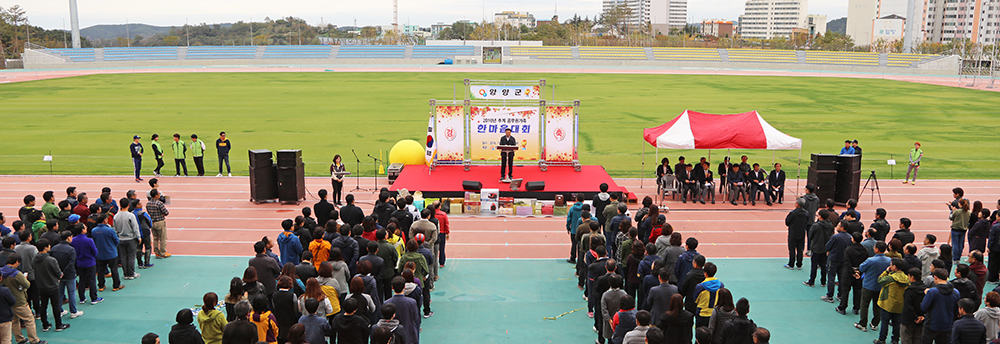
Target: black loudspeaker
[
  {"x": 260, "y": 158},
  {"x": 289, "y": 158},
  {"x": 824, "y": 162},
  {"x": 471, "y": 185},
  {"x": 263, "y": 183},
  {"x": 291, "y": 184},
  {"x": 535, "y": 186},
  {"x": 848, "y": 178},
  {"x": 825, "y": 182}
]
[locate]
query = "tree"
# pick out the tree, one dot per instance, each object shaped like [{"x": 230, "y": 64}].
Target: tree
[
  {"x": 616, "y": 19},
  {"x": 171, "y": 40}
]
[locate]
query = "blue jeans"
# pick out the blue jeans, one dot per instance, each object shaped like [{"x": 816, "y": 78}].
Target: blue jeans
[
  {"x": 889, "y": 319},
  {"x": 70, "y": 287},
  {"x": 137, "y": 163},
  {"x": 957, "y": 244}
]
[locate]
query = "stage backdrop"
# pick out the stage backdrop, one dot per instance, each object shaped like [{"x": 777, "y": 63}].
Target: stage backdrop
[
  {"x": 487, "y": 125},
  {"x": 450, "y": 132},
  {"x": 559, "y": 133}
]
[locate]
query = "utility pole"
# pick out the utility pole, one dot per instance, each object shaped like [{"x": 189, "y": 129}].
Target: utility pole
[
  {"x": 187, "y": 33},
  {"x": 64, "y": 33},
  {"x": 395, "y": 16},
  {"x": 128, "y": 36},
  {"x": 251, "y": 31},
  {"x": 74, "y": 24}
]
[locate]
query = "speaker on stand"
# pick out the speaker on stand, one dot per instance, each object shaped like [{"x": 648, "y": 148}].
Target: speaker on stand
[
  {"x": 848, "y": 178},
  {"x": 263, "y": 177},
  {"x": 823, "y": 174},
  {"x": 291, "y": 176}
]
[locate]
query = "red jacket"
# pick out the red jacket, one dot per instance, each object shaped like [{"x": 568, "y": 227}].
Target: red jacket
[{"x": 444, "y": 226}]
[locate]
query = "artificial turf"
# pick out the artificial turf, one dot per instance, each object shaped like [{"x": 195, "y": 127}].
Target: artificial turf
[{"x": 87, "y": 122}]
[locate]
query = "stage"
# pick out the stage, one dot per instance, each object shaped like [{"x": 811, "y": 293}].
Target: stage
[{"x": 446, "y": 181}]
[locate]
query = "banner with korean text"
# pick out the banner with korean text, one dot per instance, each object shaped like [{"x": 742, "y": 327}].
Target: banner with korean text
[
  {"x": 450, "y": 132},
  {"x": 484, "y": 92},
  {"x": 559, "y": 133},
  {"x": 488, "y": 123}
]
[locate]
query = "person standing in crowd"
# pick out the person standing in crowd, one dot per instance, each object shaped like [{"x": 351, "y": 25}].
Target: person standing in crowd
[
  {"x": 18, "y": 284},
  {"x": 740, "y": 328},
  {"x": 993, "y": 243},
  {"x": 323, "y": 208},
  {"x": 47, "y": 275},
  {"x": 911, "y": 318},
  {"x": 850, "y": 277},
  {"x": 915, "y": 155},
  {"x": 989, "y": 315},
  {"x": 894, "y": 282},
  {"x": 222, "y": 148},
  {"x": 210, "y": 320},
  {"x": 158, "y": 214},
  {"x": 601, "y": 201},
  {"x": 967, "y": 330},
  {"x": 157, "y": 154},
  {"x": 676, "y": 323},
  {"x": 198, "y": 154},
  {"x": 65, "y": 255},
  {"x": 444, "y": 228},
  {"x": 939, "y": 305},
  {"x": 573, "y": 220},
  {"x": 847, "y": 148},
  {"x": 706, "y": 295},
  {"x": 184, "y": 331},
  {"x": 241, "y": 330},
  {"x": 136, "y": 149},
  {"x": 835, "y": 249},
  {"x": 180, "y": 154},
  {"x": 127, "y": 228},
  {"x": 351, "y": 214},
  {"x": 86, "y": 265},
  {"x": 959, "y": 225},
  {"x": 407, "y": 310},
  {"x": 797, "y": 222},
  {"x": 106, "y": 241},
  {"x": 871, "y": 288},
  {"x": 337, "y": 178}
]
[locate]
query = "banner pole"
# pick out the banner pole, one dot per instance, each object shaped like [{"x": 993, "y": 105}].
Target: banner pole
[{"x": 642, "y": 170}]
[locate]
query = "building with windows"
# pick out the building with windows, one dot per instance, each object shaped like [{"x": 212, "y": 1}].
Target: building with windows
[
  {"x": 975, "y": 20},
  {"x": 661, "y": 15},
  {"x": 766, "y": 19},
  {"x": 514, "y": 19},
  {"x": 717, "y": 28}
]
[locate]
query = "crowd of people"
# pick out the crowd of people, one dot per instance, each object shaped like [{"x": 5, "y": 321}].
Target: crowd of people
[
  {"x": 341, "y": 277},
  {"x": 920, "y": 291},
  {"x": 642, "y": 286},
  {"x": 696, "y": 182},
  {"x": 63, "y": 252}
]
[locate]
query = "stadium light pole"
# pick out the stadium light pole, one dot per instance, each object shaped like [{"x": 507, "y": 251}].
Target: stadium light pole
[{"x": 74, "y": 23}]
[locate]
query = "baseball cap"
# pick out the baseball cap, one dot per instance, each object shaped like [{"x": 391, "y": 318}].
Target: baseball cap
[
  {"x": 917, "y": 143},
  {"x": 136, "y": 137},
  {"x": 74, "y": 218}
]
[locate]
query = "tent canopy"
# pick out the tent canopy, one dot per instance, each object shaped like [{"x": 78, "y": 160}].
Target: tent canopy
[{"x": 695, "y": 130}]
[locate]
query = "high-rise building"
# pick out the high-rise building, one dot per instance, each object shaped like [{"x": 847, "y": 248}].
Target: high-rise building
[
  {"x": 815, "y": 24},
  {"x": 661, "y": 15},
  {"x": 862, "y": 15},
  {"x": 515, "y": 19},
  {"x": 717, "y": 28},
  {"x": 975, "y": 20},
  {"x": 766, "y": 19}
]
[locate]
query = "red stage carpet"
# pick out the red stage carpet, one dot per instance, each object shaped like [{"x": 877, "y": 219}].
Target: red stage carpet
[{"x": 446, "y": 181}]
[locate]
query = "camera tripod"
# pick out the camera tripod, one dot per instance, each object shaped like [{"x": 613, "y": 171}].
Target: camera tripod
[{"x": 874, "y": 188}]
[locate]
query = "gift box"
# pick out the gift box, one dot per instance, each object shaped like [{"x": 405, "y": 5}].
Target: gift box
[
  {"x": 560, "y": 210},
  {"x": 472, "y": 207},
  {"x": 474, "y": 197},
  {"x": 505, "y": 211},
  {"x": 429, "y": 201},
  {"x": 488, "y": 207},
  {"x": 491, "y": 195},
  {"x": 506, "y": 202},
  {"x": 547, "y": 209},
  {"x": 457, "y": 208},
  {"x": 560, "y": 199},
  {"x": 524, "y": 210}
]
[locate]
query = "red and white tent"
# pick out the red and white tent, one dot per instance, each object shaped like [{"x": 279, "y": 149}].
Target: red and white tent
[{"x": 695, "y": 130}]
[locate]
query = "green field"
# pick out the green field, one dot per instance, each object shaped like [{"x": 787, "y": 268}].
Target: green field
[{"x": 87, "y": 122}]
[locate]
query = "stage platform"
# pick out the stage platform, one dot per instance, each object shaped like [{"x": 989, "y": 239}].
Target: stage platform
[{"x": 446, "y": 181}]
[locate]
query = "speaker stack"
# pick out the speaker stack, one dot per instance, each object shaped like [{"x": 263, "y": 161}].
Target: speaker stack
[
  {"x": 291, "y": 176},
  {"x": 848, "y": 178},
  {"x": 263, "y": 176},
  {"x": 823, "y": 174}
]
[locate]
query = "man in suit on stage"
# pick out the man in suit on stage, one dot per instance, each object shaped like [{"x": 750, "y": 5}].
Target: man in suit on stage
[{"x": 507, "y": 157}]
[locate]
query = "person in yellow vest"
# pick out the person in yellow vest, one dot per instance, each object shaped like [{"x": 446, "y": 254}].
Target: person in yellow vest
[
  {"x": 198, "y": 153},
  {"x": 180, "y": 153}
]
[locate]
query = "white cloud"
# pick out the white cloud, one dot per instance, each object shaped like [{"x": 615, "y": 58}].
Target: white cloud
[{"x": 52, "y": 13}]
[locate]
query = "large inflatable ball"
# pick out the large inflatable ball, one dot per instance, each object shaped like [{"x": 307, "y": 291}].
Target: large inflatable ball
[{"x": 408, "y": 152}]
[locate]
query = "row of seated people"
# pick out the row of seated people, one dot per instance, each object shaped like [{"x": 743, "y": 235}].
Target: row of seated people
[{"x": 736, "y": 180}]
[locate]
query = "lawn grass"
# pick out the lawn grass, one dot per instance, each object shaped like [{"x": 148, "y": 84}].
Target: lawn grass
[{"x": 87, "y": 122}]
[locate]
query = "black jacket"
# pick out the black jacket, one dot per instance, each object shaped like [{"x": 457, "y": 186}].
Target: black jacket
[
  {"x": 854, "y": 255},
  {"x": 776, "y": 178},
  {"x": 912, "y": 262},
  {"x": 239, "y": 332},
  {"x": 819, "y": 234},
  {"x": 383, "y": 210},
  {"x": 904, "y": 236},
  {"x": 322, "y": 210},
  {"x": 912, "y": 296},
  {"x": 993, "y": 242},
  {"x": 661, "y": 170},
  {"x": 677, "y": 327},
  {"x": 283, "y": 309},
  {"x": 267, "y": 271},
  {"x": 967, "y": 289},
  {"x": 351, "y": 329},
  {"x": 836, "y": 246},
  {"x": 352, "y": 215},
  {"x": 882, "y": 228},
  {"x": 797, "y": 221},
  {"x": 66, "y": 256},
  {"x": 185, "y": 334},
  {"x": 738, "y": 330},
  {"x": 856, "y": 227},
  {"x": 404, "y": 217},
  {"x": 691, "y": 281},
  {"x": 508, "y": 141},
  {"x": 968, "y": 330}
]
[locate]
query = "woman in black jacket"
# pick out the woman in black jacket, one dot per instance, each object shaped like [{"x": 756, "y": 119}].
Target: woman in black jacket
[
  {"x": 283, "y": 306},
  {"x": 184, "y": 331},
  {"x": 677, "y": 323}
]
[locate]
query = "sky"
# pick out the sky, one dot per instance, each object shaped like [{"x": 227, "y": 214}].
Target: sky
[{"x": 52, "y": 14}]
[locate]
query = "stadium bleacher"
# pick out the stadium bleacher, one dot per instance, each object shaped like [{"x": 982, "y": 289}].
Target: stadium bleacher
[
  {"x": 441, "y": 51},
  {"x": 74, "y": 55},
  {"x": 613, "y": 53},
  {"x": 762, "y": 56},
  {"x": 686, "y": 54},
  {"x": 140, "y": 53},
  {"x": 371, "y": 52},
  {"x": 221, "y": 52},
  {"x": 296, "y": 52},
  {"x": 907, "y": 60},
  {"x": 843, "y": 58},
  {"x": 542, "y": 52}
]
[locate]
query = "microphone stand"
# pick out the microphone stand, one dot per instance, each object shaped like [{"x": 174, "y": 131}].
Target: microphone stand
[
  {"x": 357, "y": 170},
  {"x": 375, "y": 162}
]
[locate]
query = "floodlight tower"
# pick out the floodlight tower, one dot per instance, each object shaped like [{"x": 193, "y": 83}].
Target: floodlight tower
[
  {"x": 74, "y": 24},
  {"x": 395, "y": 16}
]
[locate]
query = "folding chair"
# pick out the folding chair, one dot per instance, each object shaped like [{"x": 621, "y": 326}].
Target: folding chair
[{"x": 668, "y": 183}]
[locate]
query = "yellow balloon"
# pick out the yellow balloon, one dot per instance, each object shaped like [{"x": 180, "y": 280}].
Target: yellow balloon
[{"x": 408, "y": 152}]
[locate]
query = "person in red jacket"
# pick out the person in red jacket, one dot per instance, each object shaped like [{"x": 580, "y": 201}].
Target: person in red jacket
[{"x": 444, "y": 228}]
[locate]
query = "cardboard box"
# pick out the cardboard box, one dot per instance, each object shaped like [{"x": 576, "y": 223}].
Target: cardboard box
[
  {"x": 457, "y": 208},
  {"x": 472, "y": 207},
  {"x": 488, "y": 207},
  {"x": 547, "y": 209},
  {"x": 505, "y": 211},
  {"x": 475, "y": 197},
  {"x": 524, "y": 210},
  {"x": 560, "y": 211},
  {"x": 490, "y": 195}
]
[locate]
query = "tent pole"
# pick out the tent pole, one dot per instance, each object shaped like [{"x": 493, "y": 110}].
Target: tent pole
[
  {"x": 772, "y": 157},
  {"x": 642, "y": 170},
  {"x": 798, "y": 174}
]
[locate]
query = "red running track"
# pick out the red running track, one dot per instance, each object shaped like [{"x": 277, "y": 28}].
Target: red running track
[{"x": 213, "y": 216}]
